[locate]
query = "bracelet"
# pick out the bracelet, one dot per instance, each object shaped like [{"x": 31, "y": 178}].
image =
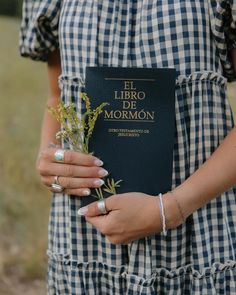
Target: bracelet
[
  {"x": 179, "y": 207},
  {"x": 163, "y": 218}
]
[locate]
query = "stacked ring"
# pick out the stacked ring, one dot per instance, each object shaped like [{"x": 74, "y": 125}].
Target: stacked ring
[
  {"x": 56, "y": 180},
  {"x": 57, "y": 188},
  {"x": 56, "y": 185}
]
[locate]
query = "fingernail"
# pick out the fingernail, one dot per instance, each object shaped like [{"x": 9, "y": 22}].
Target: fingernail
[
  {"x": 102, "y": 172},
  {"x": 98, "y": 182},
  {"x": 86, "y": 192},
  {"x": 98, "y": 162},
  {"x": 82, "y": 211}
]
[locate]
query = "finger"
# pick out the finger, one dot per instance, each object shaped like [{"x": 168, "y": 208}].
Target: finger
[
  {"x": 100, "y": 222},
  {"x": 112, "y": 203},
  {"x": 73, "y": 183},
  {"x": 81, "y": 192},
  {"x": 71, "y": 170},
  {"x": 74, "y": 158},
  {"x": 93, "y": 210}
]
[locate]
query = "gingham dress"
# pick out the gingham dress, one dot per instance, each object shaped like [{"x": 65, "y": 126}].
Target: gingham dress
[{"x": 199, "y": 257}]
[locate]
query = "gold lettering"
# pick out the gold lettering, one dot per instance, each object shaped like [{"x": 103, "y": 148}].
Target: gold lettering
[
  {"x": 127, "y": 85},
  {"x": 133, "y": 115},
  {"x": 133, "y": 95},
  {"x": 117, "y": 114},
  {"x": 108, "y": 115},
  {"x": 125, "y": 115},
  {"x": 132, "y": 85},
  {"x": 126, "y": 94},
  {"x": 116, "y": 95},
  {"x": 133, "y": 105},
  {"x": 129, "y": 114},
  {"x": 141, "y": 95},
  {"x": 126, "y": 105},
  {"x": 150, "y": 115}
]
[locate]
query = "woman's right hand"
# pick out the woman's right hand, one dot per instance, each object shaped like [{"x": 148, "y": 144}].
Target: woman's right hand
[{"x": 77, "y": 174}]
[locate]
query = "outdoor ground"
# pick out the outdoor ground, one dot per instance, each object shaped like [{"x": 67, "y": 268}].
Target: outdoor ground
[{"x": 24, "y": 204}]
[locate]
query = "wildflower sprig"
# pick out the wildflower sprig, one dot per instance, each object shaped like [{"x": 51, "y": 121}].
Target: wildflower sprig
[
  {"x": 74, "y": 131},
  {"x": 71, "y": 128},
  {"x": 109, "y": 186},
  {"x": 77, "y": 132},
  {"x": 89, "y": 119}
]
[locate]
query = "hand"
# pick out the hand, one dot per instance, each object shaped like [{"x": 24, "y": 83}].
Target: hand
[
  {"x": 77, "y": 174},
  {"x": 130, "y": 216}
]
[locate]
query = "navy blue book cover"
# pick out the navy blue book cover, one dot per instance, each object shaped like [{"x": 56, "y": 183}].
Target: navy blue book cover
[{"x": 134, "y": 136}]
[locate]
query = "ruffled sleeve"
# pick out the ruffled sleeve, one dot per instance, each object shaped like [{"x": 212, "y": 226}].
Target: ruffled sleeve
[
  {"x": 230, "y": 24},
  {"x": 223, "y": 26},
  {"x": 39, "y": 28},
  {"x": 229, "y": 28}
]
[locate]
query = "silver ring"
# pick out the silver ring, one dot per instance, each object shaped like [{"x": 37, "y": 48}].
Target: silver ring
[
  {"x": 59, "y": 155},
  {"x": 56, "y": 180},
  {"x": 57, "y": 188},
  {"x": 102, "y": 207}
]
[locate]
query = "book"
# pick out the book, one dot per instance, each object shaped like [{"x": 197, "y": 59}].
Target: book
[{"x": 134, "y": 136}]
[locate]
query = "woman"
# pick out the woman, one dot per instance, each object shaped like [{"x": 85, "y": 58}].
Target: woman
[{"x": 125, "y": 251}]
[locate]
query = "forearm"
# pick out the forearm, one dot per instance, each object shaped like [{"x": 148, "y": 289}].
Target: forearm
[
  {"x": 50, "y": 126},
  {"x": 215, "y": 176}
]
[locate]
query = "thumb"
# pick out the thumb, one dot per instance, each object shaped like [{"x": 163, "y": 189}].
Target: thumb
[{"x": 92, "y": 209}]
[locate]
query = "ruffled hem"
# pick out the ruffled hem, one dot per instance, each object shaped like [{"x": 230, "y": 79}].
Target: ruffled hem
[
  {"x": 214, "y": 77},
  {"x": 209, "y": 76},
  {"x": 98, "y": 277},
  {"x": 70, "y": 81}
]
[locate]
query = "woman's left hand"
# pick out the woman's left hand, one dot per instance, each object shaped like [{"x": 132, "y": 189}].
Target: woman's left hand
[{"x": 131, "y": 216}]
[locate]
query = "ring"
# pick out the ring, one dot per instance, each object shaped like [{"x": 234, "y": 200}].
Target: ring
[
  {"x": 59, "y": 155},
  {"x": 56, "y": 180},
  {"x": 57, "y": 188},
  {"x": 56, "y": 185},
  {"x": 102, "y": 207}
]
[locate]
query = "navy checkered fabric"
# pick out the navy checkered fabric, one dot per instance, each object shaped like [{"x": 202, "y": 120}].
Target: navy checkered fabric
[{"x": 194, "y": 37}]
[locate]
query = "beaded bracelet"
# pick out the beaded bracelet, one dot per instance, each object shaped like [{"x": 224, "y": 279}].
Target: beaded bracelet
[{"x": 163, "y": 217}]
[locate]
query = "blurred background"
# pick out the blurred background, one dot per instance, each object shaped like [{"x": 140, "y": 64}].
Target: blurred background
[{"x": 24, "y": 203}]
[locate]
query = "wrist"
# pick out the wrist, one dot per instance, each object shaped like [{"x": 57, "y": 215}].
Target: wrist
[{"x": 173, "y": 212}]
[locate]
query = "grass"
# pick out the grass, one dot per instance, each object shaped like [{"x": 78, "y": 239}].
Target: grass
[{"x": 24, "y": 203}]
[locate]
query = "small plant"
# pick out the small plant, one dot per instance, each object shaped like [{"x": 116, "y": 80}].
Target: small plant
[
  {"x": 109, "y": 186},
  {"x": 78, "y": 132}
]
